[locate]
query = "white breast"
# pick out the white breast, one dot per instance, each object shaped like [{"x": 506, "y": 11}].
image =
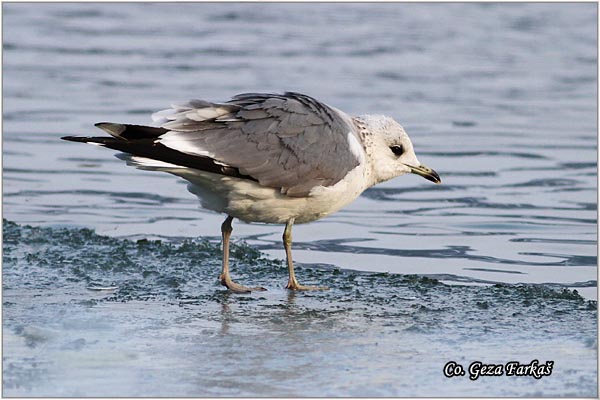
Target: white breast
[{"x": 247, "y": 200}]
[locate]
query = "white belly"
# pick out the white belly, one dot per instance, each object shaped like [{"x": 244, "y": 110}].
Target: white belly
[{"x": 247, "y": 200}]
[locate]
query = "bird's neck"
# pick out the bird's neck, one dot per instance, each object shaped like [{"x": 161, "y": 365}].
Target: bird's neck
[{"x": 376, "y": 171}]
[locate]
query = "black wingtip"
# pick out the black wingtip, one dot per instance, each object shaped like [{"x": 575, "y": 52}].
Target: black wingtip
[
  {"x": 102, "y": 125},
  {"x": 112, "y": 128},
  {"x": 80, "y": 139},
  {"x": 100, "y": 141}
]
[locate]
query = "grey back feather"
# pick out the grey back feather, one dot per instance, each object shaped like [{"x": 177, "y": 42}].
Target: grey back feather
[{"x": 291, "y": 142}]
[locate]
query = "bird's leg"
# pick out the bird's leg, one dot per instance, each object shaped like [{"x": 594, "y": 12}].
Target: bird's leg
[
  {"x": 225, "y": 279},
  {"x": 287, "y": 243}
]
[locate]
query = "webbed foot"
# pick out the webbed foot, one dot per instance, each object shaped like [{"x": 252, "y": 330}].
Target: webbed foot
[{"x": 237, "y": 288}]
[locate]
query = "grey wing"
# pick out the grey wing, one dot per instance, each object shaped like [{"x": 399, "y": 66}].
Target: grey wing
[{"x": 291, "y": 142}]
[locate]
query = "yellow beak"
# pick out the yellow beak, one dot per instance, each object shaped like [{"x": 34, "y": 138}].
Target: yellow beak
[{"x": 425, "y": 172}]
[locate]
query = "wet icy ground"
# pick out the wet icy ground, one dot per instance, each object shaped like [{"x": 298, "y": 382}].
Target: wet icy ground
[{"x": 90, "y": 315}]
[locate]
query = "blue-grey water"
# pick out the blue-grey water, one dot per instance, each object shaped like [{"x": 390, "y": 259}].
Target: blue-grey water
[{"x": 109, "y": 273}]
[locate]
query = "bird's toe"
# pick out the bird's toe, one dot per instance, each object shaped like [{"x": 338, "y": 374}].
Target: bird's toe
[
  {"x": 297, "y": 286},
  {"x": 237, "y": 288}
]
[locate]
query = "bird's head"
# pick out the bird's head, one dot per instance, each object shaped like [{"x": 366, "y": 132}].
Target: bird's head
[{"x": 391, "y": 152}]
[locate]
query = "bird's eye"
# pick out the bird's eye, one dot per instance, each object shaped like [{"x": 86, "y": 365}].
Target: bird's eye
[{"x": 397, "y": 150}]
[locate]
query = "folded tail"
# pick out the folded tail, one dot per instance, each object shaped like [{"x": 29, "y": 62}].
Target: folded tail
[{"x": 141, "y": 143}]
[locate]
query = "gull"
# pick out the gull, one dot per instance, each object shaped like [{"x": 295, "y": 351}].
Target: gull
[{"x": 265, "y": 157}]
